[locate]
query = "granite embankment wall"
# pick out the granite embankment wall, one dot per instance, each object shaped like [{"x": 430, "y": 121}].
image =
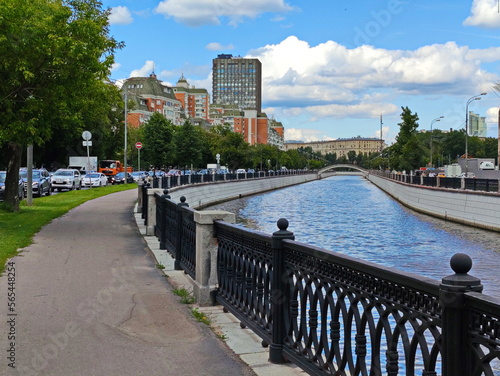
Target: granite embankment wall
[
  {"x": 201, "y": 195},
  {"x": 473, "y": 208},
  {"x": 210, "y": 193}
]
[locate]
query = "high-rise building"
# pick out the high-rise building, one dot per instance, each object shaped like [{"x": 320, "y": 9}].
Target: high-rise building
[
  {"x": 195, "y": 102},
  {"x": 477, "y": 125},
  {"x": 237, "y": 81}
]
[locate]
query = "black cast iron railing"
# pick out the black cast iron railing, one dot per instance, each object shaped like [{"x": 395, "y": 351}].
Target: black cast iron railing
[
  {"x": 244, "y": 270},
  {"x": 188, "y": 235},
  {"x": 176, "y": 231},
  {"x": 336, "y": 315},
  {"x": 332, "y": 314},
  {"x": 473, "y": 184}
]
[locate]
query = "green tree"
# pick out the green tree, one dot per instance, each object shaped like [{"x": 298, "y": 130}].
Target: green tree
[
  {"x": 187, "y": 146},
  {"x": 407, "y": 153},
  {"x": 454, "y": 144},
  {"x": 157, "y": 134},
  {"x": 55, "y": 57}
]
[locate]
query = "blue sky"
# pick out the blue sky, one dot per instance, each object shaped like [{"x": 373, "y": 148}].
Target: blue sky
[{"x": 330, "y": 67}]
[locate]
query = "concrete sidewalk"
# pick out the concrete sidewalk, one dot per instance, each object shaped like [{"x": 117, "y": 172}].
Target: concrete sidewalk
[{"x": 89, "y": 300}]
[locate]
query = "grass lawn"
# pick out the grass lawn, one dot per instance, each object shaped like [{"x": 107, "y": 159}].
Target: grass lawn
[{"x": 17, "y": 229}]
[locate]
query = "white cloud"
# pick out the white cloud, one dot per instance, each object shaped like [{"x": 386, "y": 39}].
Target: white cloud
[
  {"x": 210, "y": 12},
  {"x": 115, "y": 67},
  {"x": 492, "y": 116},
  {"x": 484, "y": 13},
  {"x": 145, "y": 70},
  {"x": 214, "y": 46},
  {"x": 331, "y": 80},
  {"x": 305, "y": 135},
  {"x": 120, "y": 15}
]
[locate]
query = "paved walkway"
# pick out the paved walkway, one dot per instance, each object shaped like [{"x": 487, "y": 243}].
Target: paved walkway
[{"x": 90, "y": 301}]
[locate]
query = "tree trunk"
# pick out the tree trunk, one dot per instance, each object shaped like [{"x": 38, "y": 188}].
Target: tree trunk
[{"x": 12, "y": 180}]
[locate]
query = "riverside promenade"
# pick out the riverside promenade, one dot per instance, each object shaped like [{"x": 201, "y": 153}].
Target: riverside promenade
[{"x": 90, "y": 300}]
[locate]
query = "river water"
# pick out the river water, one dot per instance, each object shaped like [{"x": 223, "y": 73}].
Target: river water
[{"x": 349, "y": 215}]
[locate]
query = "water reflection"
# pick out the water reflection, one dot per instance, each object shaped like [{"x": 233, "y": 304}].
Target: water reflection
[{"x": 350, "y": 215}]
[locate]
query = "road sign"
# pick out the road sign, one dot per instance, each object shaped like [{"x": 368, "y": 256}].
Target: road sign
[
  {"x": 138, "y": 145},
  {"x": 86, "y": 135},
  {"x": 87, "y": 143}
]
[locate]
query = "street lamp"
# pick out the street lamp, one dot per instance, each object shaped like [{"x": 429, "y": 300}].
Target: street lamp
[
  {"x": 125, "y": 133},
  {"x": 474, "y": 98},
  {"x": 436, "y": 119}
]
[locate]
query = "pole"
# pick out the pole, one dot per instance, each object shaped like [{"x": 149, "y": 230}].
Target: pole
[
  {"x": 87, "y": 170},
  {"x": 474, "y": 98},
  {"x": 436, "y": 119},
  {"x": 29, "y": 165},
  {"x": 125, "y": 146},
  {"x": 381, "y": 142},
  {"x": 139, "y": 159}
]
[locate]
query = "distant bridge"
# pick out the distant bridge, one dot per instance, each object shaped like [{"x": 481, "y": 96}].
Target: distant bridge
[{"x": 333, "y": 168}]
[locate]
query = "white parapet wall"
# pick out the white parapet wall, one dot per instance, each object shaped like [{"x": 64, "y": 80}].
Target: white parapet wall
[
  {"x": 473, "y": 208},
  {"x": 200, "y": 195},
  {"x": 204, "y": 194}
]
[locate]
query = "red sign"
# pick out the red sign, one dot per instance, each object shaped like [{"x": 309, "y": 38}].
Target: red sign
[{"x": 138, "y": 145}]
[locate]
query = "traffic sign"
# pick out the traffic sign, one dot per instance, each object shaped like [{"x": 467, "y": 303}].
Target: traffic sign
[
  {"x": 86, "y": 135},
  {"x": 87, "y": 143},
  {"x": 138, "y": 145}
]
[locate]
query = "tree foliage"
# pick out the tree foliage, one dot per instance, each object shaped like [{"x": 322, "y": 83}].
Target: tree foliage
[
  {"x": 187, "y": 145},
  {"x": 55, "y": 58},
  {"x": 157, "y": 135}
]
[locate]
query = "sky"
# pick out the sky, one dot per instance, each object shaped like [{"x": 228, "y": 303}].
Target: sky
[{"x": 330, "y": 68}]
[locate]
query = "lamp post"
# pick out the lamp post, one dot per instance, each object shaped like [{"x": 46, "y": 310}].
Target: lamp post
[
  {"x": 125, "y": 134},
  {"x": 474, "y": 98},
  {"x": 432, "y": 122}
]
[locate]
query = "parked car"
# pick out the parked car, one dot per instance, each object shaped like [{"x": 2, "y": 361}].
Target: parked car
[
  {"x": 3, "y": 176},
  {"x": 240, "y": 171},
  {"x": 139, "y": 175},
  {"x": 119, "y": 178},
  {"x": 40, "y": 181},
  {"x": 173, "y": 172},
  {"x": 250, "y": 171},
  {"x": 94, "y": 179},
  {"x": 65, "y": 178}
]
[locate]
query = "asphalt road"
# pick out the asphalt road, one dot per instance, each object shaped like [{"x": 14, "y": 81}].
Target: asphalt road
[{"x": 90, "y": 301}]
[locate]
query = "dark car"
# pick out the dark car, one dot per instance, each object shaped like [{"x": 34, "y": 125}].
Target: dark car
[
  {"x": 41, "y": 181},
  {"x": 119, "y": 178},
  {"x": 3, "y": 175}
]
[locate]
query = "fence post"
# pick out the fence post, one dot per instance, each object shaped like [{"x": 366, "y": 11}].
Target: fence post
[
  {"x": 206, "y": 253},
  {"x": 163, "y": 219},
  {"x": 144, "y": 213},
  {"x": 178, "y": 238},
  {"x": 455, "y": 353},
  {"x": 279, "y": 284}
]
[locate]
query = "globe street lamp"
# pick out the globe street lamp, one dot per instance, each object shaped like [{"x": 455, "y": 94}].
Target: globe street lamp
[
  {"x": 474, "y": 98},
  {"x": 436, "y": 119}
]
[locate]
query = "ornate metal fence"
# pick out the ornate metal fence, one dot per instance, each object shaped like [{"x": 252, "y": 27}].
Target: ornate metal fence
[
  {"x": 244, "y": 269},
  {"x": 473, "y": 184},
  {"x": 188, "y": 244},
  {"x": 332, "y": 314},
  {"x": 336, "y": 315}
]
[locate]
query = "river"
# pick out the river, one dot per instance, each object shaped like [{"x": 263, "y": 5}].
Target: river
[{"x": 349, "y": 215}]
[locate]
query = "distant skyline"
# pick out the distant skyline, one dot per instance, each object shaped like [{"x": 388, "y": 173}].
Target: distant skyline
[{"x": 330, "y": 68}]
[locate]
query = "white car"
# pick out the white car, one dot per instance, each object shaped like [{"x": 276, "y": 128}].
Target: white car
[
  {"x": 241, "y": 171},
  {"x": 94, "y": 179},
  {"x": 66, "y": 178}
]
